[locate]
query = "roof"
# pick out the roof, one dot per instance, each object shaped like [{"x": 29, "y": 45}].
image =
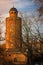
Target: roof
[{"x": 13, "y": 9}]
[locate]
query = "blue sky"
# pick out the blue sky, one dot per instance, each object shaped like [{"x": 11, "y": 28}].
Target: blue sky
[
  {"x": 22, "y": 5},
  {"x": 28, "y": 5}
]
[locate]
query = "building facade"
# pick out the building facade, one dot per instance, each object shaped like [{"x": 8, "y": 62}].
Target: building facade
[{"x": 13, "y": 29}]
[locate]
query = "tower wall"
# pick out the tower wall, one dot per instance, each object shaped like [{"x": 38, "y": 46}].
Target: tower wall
[{"x": 13, "y": 32}]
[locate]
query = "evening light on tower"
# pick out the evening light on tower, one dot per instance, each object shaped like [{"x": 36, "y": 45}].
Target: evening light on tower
[
  {"x": 21, "y": 32},
  {"x": 13, "y": 29}
]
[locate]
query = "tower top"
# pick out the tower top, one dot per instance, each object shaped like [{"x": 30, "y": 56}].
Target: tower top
[{"x": 13, "y": 9}]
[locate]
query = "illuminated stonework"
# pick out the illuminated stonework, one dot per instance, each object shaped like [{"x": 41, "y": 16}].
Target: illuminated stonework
[{"x": 13, "y": 29}]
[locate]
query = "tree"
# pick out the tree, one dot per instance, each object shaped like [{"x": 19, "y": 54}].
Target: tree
[
  {"x": 2, "y": 29},
  {"x": 40, "y": 9},
  {"x": 28, "y": 33}
]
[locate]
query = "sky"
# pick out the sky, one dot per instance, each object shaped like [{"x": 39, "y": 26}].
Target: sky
[{"x": 27, "y": 6}]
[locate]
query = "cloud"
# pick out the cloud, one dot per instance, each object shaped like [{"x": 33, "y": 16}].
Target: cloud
[{"x": 21, "y": 5}]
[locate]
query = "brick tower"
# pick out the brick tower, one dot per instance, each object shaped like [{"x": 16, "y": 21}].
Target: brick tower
[{"x": 13, "y": 29}]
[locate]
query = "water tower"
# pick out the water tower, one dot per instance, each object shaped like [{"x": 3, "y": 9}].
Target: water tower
[{"x": 13, "y": 29}]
